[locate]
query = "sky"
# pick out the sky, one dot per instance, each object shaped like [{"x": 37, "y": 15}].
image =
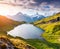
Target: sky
[{"x": 29, "y": 7}]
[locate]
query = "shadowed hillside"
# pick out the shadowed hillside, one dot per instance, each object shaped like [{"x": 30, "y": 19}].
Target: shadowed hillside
[{"x": 7, "y": 24}]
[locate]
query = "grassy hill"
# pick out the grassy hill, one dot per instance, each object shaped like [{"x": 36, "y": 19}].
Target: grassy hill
[
  {"x": 48, "y": 21},
  {"x": 51, "y": 25},
  {"x": 40, "y": 44},
  {"x": 7, "y": 24}
]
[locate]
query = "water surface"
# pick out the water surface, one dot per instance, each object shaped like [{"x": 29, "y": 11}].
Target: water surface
[{"x": 26, "y": 31}]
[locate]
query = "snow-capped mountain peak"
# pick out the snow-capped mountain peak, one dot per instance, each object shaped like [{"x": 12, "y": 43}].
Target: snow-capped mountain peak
[{"x": 24, "y": 17}]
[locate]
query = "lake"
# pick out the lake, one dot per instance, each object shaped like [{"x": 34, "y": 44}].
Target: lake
[{"x": 26, "y": 31}]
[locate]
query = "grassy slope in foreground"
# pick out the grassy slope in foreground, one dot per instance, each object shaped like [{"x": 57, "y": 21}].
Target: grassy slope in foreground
[
  {"x": 18, "y": 42},
  {"x": 51, "y": 27},
  {"x": 39, "y": 44}
]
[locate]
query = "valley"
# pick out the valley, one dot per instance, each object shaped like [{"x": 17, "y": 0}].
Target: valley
[
  {"x": 29, "y": 24},
  {"x": 50, "y": 33}
]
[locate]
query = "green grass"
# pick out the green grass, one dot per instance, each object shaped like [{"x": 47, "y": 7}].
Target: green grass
[
  {"x": 39, "y": 44},
  {"x": 52, "y": 31},
  {"x": 51, "y": 35}
]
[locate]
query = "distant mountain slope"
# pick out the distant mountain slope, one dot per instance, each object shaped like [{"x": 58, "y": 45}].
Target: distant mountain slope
[
  {"x": 51, "y": 25},
  {"x": 47, "y": 21},
  {"x": 7, "y": 24},
  {"x": 24, "y": 17},
  {"x": 37, "y": 17},
  {"x": 21, "y": 17}
]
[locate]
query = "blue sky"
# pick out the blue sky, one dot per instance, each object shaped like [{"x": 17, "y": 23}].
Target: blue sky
[{"x": 29, "y": 7}]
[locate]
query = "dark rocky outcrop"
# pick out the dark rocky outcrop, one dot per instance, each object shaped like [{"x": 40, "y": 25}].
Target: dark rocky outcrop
[
  {"x": 55, "y": 20},
  {"x": 50, "y": 21},
  {"x": 58, "y": 18},
  {"x": 29, "y": 47},
  {"x": 5, "y": 44}
]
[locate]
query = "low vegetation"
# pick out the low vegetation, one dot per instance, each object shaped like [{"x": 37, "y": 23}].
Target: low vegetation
[{"x": 51, "y": 25}]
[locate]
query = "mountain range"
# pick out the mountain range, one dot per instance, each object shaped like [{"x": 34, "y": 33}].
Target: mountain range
[
  {"x": 24, "y": 17},
  {"x": 51, "y": 26}
]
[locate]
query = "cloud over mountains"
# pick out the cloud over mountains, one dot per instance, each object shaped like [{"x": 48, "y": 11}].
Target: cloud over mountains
[{"x": 38, "y": 5}]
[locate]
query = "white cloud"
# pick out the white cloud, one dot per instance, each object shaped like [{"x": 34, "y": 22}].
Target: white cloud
[{"x": 28, "y": 7}]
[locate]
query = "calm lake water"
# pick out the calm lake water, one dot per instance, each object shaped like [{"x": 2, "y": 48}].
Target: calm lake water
[{"x": 26, "y": 31}]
